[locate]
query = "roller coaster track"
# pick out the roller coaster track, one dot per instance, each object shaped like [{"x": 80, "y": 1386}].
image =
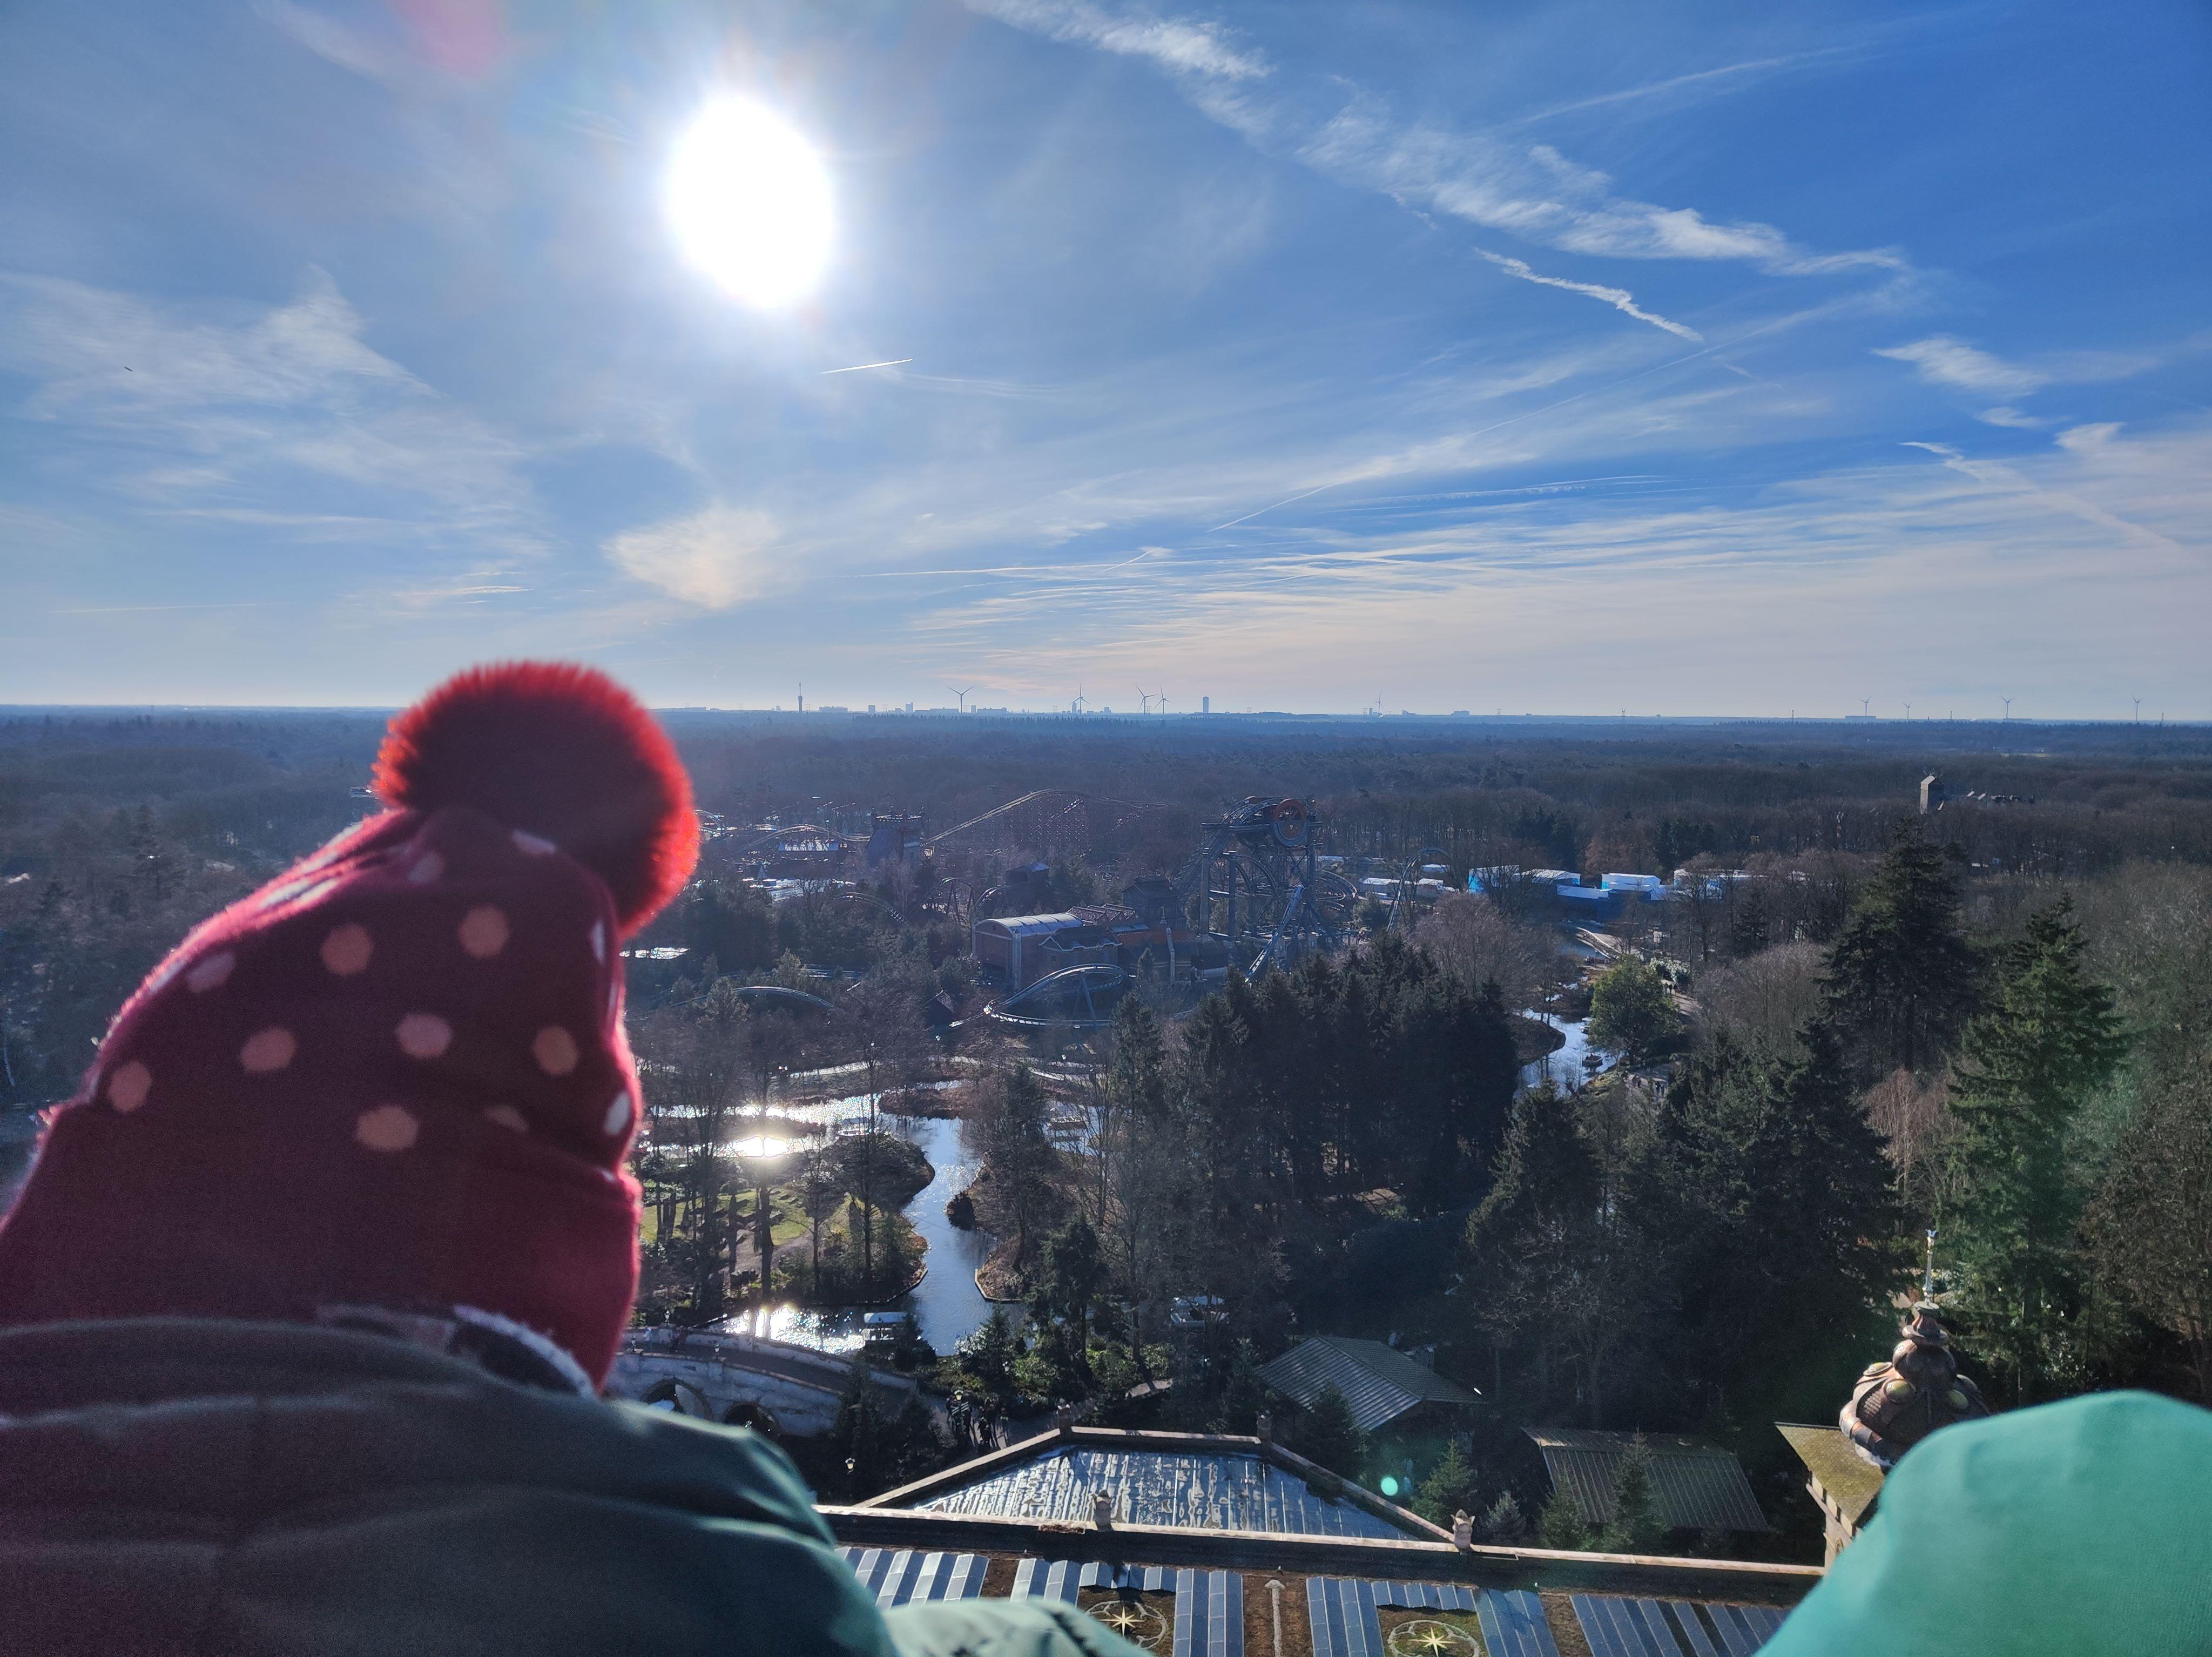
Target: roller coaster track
[
  {"x": 1086, "y": 980},
  {"x": 1044, "y": 820}
]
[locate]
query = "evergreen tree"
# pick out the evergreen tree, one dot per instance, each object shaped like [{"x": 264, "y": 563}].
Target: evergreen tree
[
  {"x": 1631, "y": 1011},
  {"x": 1776, "y": 1196},
  {"x": 1566, "y": 1275},
  {"x": 2150, "y": 1225},
  {"x": 991, "y": 1352},
  {"x": 1902, "y": 977},
  {"x": 1071, "y": 1274},
  {"x": 1635, "y": 1526},
  {"x": 1505, "y": 1523},
  {"x": 1450, "y": 1487},
  {"x": 1561, "y": 1525},
  {"x": 1327, "y": 1437},
  {"x": 2027, "y": 1066},
  {"x": 1242, "y": 1394}
]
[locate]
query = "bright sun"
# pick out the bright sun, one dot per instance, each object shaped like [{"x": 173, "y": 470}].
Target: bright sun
[{"x": 750, "y": 204}]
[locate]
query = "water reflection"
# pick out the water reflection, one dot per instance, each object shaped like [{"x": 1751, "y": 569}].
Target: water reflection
[{"x": 946, "y": 1304}]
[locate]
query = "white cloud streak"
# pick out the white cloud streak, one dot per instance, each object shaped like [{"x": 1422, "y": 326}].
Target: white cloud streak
[
  {"x": 1620, "y": 298},
  {"x": 1943, "y": 360},
  {"x": 1178, "y": 45}
]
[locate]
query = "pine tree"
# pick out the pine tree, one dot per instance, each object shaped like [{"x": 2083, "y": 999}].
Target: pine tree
[
  {"x": 1902, "y": 976},
  {"x": 1635, "y": 1526},
  {"x": 1241, "y": 1395},
  {"x": 1776, "y": 1196},
  {"x": 1505, "y": 1523},
  {"x": 1564, "y": 1272},
  {"x": 1561, "y": 1525},
  {"x": 2150, "y": 1225},
  {"x": 1327, "y": 1437},
  {"x": 1450, "y": 1487},
  {"x": 2027, "y": 1066}
]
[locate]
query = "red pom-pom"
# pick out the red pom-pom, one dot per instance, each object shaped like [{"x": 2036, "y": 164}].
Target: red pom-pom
[{"x": 561, "y": 751}]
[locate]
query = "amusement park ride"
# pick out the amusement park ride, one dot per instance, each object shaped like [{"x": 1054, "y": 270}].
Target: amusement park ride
[
  {"x": 1266, "y": 894},
  {"x": 1255, "y": 889}
]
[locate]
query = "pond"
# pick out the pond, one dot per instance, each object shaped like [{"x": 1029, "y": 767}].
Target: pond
[
  {"x": 1562, "y": 1068},
  {"x": 947, "y": 1306}
]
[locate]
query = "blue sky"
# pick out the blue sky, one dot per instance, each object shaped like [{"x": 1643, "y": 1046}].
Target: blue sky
[{"x": 1554, "y": 357}]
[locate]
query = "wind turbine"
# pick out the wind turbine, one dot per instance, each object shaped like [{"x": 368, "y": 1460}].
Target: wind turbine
[
  {"x": 2138, "y": 710},
  {"x": 2007, "y": 701},
  {"x": 961, "y": 693},
  {"x": 1144, "y": 698},
  {"x": 1866, "y": 707},
  {"x": 1078, "y": 703},
  {"x": 1161, "y": 696},
  {"x": 1908, "y": 713}
]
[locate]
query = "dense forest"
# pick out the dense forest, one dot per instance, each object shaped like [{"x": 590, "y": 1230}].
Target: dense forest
[{"x": 1989, "y": 1022}]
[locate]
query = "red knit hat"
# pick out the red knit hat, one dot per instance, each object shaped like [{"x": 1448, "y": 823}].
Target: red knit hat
[{"x": 395, "y": 1077}]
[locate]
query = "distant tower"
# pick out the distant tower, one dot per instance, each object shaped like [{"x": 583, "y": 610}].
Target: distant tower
[
  {"x": 1932, "y": 795},
  {"x": 1205, "y": 706}
]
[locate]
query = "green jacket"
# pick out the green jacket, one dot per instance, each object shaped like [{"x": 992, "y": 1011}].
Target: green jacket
[{"x": 175, "y": 1485}]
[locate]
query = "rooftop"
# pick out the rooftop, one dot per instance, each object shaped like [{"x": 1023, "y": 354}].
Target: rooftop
[
  {"x": 1380, "y": 1382},
  {"x": 1848, "y": 1476},
  {"x": 1696, "y": 1486},
  {"x": 1204, "y": 1584}
]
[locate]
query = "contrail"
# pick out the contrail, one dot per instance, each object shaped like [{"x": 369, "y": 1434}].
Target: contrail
[{"x": 856, "y": 367}]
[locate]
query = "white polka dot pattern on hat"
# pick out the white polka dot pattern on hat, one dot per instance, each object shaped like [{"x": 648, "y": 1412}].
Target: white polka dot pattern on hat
[
  {"x": 386, "y": 1128},
  {"x": 268, "y": 1049},
  {"x": 555, "y": 1050},
  {"x": 483, "y": 931},
  {"x": 210, "y": 973},
  {"x": 428, "y": 867},
  {"x": 508, "y": 1116},
  {"x": 618, "y": 1116},
  {"x": 424, "y": 1035},
  {"x": 127, "y": 1088},
  {"x": 347, "y": 948},
  {"x": 537, "y": 845}
]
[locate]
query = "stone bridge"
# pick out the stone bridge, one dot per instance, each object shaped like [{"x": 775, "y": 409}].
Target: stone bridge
[{"x": 745, "y": 1381}]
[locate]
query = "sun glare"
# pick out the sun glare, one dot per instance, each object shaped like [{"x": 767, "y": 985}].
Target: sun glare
[{"x": 749, "y": 202}]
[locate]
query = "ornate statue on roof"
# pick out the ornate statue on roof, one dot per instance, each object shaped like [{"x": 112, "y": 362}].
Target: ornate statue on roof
[{"x": 1898, "y": 1404}]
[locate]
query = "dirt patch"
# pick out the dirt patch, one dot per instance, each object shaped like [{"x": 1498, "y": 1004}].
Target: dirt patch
[
  {"x": 998, "y": 1577},
  {"x": 1566, "y": 1631},
  {"x": 1260, "y": 1617}
]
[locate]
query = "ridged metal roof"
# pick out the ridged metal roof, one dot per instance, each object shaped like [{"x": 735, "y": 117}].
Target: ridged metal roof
[
  {"x": 1379, "y": 1382},
  {"x": 1695, "y": 1485},
  {"x": 1213, "y": 1492}
]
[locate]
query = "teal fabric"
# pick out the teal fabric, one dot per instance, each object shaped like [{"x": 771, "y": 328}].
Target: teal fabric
[
  {"x": 2072, "y": 1529},
  {"x": 197, "y": 1486}
]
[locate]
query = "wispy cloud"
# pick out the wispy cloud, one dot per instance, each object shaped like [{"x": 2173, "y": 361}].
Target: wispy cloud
[
  {"x": 1723, "y": 77},
  {"x": 1182, "y": 45},
  {"x": 282, "y": 412},
  {"x": 1943, "y": 360},
  {"x": 717, "y": 558},
  {"x": 1620, "y": 298},
  {"x": 1531, "y": 191}
]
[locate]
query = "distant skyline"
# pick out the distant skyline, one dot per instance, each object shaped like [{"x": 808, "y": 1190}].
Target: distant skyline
[{"x": 1297, "y": 354}]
